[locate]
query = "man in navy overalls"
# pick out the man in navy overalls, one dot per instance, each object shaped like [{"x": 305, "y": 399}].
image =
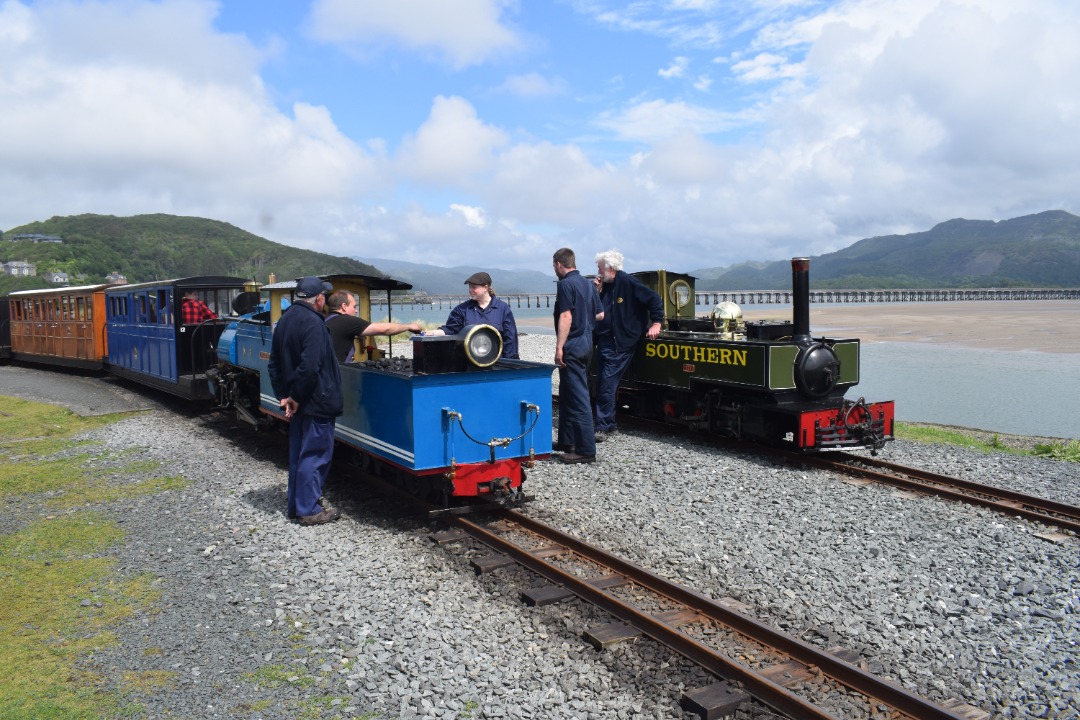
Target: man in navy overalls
[{"x": 577, "y": 309}]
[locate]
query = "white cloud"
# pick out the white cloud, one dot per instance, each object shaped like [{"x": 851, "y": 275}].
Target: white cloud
[
  {"x": 474, "y": 216},
  {"x": 97, "y": 123},
  {"x": 659, "y": 119},
  {"x": 534, "y": 85},
  {"x": 451, "y": 147},
  {"x": 551, "y": 184},
  {"x": 465, "y": 32},
  {"x": 676, "y": 69},
  {"x": 766, "y": 66}
]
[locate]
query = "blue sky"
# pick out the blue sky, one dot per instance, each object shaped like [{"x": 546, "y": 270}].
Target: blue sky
[{"x": 685, "y": 133}]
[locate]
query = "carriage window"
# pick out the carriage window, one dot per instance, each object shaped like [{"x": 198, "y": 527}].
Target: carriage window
[
  {"x": 120, "y": 307},
  {"x": 164, "y": 316},
  {"x": 80, "y": 309}
]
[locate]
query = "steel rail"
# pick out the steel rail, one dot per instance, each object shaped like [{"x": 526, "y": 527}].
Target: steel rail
[
  {"x": 767, "y": 691},
  {"x": 1005, "y": 501}
]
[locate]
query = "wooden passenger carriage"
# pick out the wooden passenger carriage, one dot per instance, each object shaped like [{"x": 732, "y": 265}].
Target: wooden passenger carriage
[
  {"x": 59, "y": 326},
  {"x": 5, "y": 329}
]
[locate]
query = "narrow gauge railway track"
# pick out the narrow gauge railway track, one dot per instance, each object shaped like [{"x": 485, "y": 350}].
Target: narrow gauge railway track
[
  {"x": 913, "y": 479},
  {"x": 787, "y": 674},
  {"x": 1008, "y": 502},
  {"x": 791, "y": 676}
]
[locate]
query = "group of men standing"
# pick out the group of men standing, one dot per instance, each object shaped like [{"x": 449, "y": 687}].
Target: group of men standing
[{"x": 611, "y": 313}]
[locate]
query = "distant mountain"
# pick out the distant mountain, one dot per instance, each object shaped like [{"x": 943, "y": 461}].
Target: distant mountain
[
  {"x": 1041, "y": 250},
  {"x": 160, "y": 247},
  {"x": 450, "y": 281}
]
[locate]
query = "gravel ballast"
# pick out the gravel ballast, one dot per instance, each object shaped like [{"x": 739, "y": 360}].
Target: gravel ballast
[{"x": 262, "y": 618}]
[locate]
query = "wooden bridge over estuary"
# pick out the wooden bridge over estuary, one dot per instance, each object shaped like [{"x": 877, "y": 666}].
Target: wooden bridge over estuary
[{"x": 708, "y": 298}]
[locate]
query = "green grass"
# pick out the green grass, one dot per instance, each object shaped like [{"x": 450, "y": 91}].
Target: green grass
[
  {"x": 61, "y": 594},
  {"x": 1067, "y": 451},
  {"x": 61, "y": 598},
  {"x": 923, "y": 433},
  {"x": 1070, "y": 451}
]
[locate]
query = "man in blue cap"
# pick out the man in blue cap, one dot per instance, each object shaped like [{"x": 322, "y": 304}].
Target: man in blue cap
[{"x": 307, "y": 382}]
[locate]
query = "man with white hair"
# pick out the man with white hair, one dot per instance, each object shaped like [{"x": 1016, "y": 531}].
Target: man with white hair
[{"x": 631, "y": 311}]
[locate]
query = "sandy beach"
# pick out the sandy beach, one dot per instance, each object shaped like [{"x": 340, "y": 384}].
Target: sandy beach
[
  {"x": 1043, "y": 326},
  {"x": 1051, "y": 326}
]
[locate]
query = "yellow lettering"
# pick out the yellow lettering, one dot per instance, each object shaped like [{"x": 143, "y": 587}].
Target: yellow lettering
[
  {"x": 740, "y": 357},
  {"x": 725, "y": 356},
  {"x": 714, "y": 355},
  {"x": 650, "y": 350},
  {"x": 699, "y": 354}
]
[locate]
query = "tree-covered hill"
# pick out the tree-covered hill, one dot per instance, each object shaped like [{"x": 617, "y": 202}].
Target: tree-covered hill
[
  {"x": 159, "y": 247},
  {"x": 1041, "y": 250}
]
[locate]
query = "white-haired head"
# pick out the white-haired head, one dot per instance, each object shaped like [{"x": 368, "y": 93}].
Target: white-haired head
[{"x": 610, "y": 258}]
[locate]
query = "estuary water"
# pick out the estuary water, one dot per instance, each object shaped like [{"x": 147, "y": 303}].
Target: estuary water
[{"x": 1018, "y": 393}]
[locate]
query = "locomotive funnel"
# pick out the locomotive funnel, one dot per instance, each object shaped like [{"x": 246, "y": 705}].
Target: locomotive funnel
[{"x": 800, "y": 299}]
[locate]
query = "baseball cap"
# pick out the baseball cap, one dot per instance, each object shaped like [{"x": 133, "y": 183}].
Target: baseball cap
[
  {"x": 309, "y": 287},
  {"x": 479, "y": 278}
]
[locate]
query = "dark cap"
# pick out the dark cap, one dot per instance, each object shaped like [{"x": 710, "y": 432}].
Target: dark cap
[
  {"x": 309, "y": 287},
  {"x": 479, "y": 278}
]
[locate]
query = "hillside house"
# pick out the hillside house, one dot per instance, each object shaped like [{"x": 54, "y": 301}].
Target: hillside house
[
  {"x": 115, "y": 278},
  {"x": 57, "y": 278},
  {"x": 19, "y": 268}
]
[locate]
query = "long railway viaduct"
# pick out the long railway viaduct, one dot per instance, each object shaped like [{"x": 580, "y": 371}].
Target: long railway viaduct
[{"x": 777, "y": 297}]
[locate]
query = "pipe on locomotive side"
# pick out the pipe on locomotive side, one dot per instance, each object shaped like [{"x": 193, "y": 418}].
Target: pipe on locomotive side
[{"x": 800, "y": 300}]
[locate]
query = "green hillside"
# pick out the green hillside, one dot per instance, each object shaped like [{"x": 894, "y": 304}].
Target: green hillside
[
  {"x": 159, "y": 247},
  {"x": 1041, "y": 250}
]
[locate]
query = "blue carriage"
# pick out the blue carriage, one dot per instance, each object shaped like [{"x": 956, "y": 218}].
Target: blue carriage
[{"x": 150, "y": 341}]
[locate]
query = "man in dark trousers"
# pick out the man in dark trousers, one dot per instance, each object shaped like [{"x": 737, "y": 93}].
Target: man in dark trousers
[
  {"x": 307, "y": 381},
  {"x": 631, "y": 312},
  {"x": 577, "y": 309}
]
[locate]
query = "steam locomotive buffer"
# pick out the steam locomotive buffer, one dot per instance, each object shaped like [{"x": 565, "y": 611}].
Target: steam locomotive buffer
[{"x": 765, "y": 381}]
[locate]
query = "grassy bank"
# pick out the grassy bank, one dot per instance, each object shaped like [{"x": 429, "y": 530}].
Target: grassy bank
[
  {"x": 62, "y": 594},
  {"x": 989, "y": 441}
]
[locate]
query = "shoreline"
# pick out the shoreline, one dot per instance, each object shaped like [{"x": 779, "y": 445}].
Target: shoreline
[{"x": 1051, "y": 326}]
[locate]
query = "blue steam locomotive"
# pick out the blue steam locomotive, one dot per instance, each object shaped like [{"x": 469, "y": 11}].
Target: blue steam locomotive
[{"x": 458, "y": 424}]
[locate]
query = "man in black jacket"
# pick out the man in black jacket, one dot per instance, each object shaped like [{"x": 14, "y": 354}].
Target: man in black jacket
[
  {"x": 307, "y": 381},
  {"x": 631, "y": 311}
]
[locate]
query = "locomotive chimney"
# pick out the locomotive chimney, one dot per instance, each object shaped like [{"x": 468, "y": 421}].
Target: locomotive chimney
[{"x": 800, "y": 299}]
